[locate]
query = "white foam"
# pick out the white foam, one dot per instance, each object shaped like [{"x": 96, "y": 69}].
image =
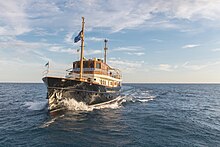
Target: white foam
[
  {"x": 138, "y": 96},
  {"x": 114, "y": 105},
  {"x": 72, "y": 104},
  {"x": 129, "y": 98},
  {"x": 36, "y": 105},
  {"x": 48, "y": 123},
  {"x": 144, "y": 100}
]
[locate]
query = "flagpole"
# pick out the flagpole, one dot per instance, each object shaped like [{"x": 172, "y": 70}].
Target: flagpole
[
  {"x": 105, "y": 49},
  {"x": 82, "y": 50},
  {"x": 48, "y": 67}
]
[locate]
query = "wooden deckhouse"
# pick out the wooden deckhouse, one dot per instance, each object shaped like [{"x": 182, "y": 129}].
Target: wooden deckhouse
[{"x": 98, "y": 72}]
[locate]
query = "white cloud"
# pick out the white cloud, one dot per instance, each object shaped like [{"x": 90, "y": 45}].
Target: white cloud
[
  {"x": 125, "y": 65},
  {"x": 124, "y": 49},
  {"x": 196, "y": 67},
  {"x": 157, "y": 40},
  {"x": 96, "y": 39},
  {"x": 190, "y": 45},
  {"x": 136, "y": 53},
  {"x": 216, "y": 49},
  {"x": 165, "y": 67},
  {"x": 14, "y": 19},
  {"x": 45, "y": 32},
  {"x": 93, "y": 52},
  {"x": 61, "y": 49},
  {"x": 129, "y": 48},
  {"x": 194, "y": 9},
  {"x": 193, "y": 67},
  {"x": 22, "y": 52},
  {"x": 18, "y": 17},
  {"x": 41, "y": 56},
  {"x": 10, "y": 43}
]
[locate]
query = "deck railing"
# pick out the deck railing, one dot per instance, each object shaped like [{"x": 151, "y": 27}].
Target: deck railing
[{"x": 70, "y": 73}]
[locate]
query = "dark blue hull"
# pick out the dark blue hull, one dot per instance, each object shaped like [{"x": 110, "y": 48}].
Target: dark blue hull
[{"x": 60, "y": 89}]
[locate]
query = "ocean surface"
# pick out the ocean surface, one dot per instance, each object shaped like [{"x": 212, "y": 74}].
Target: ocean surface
[{"x": 150, "y": 115}]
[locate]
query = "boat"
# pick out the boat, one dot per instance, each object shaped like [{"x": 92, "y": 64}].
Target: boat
[{"x": 90, "y": 81}]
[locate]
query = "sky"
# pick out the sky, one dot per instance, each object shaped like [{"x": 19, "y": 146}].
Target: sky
[{"x": 150, "y": 41}]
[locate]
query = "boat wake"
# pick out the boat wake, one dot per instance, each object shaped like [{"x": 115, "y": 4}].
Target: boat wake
[
  {"x": 73, "y": 105},
  {"x": 134, "y": 95},
  {"x": 36, "y": 105},
  {"x": 128, "y": 95},
  {"x": 51, "y": 121}
]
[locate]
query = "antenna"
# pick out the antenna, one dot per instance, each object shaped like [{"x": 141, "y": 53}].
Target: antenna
[{"x": 105, "y": 48}]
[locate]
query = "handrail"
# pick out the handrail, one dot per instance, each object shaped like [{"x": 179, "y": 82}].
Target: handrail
[{"x": 69, "y": 73}]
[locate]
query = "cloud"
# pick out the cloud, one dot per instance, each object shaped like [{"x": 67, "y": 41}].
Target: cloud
[
  {"x": 96, "y": 39},
  {"x": 129, "y": 48},
  {"x": 190, "y": 45},
  {"x": 194, "y": 10},
  {"x": 45, "y": 32},
  {"x": 18, "y": 50},
  {"x": 14, "y": 19},
  {"x": 157, "y": 40},
  {"x": 125, "y": 65},
  {"x": 216, "y": 50},
  {"x": 196, "y": 67},
  {"x": 136, "y": 53},
  {"x": 11, "y": 43},
  {"x": 69, "y": 38},
  {"x": 41, "y": 56},
  {"x": 93, "y": 52},
  {"x": 19, "y": 17},
  {"x": 61, "y": 49},
  {"x": 165, "y": 67}
]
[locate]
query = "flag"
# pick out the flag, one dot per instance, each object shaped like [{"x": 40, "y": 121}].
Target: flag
[
  {"x": 47, "y": 64},
  {"x": 78, "y": 37}
]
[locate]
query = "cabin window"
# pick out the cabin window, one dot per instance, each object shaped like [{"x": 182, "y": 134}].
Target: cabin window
[
  {"x": 78, "y": 64},
  {"x": 74, "y": 65},
  {"x": 98, "y": 65},
  {"x": 85, "y": 65},
  {"x": 91, "y": 65}
]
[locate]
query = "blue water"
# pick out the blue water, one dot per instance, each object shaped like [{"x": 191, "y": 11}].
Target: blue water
[{"x": 151, "y": 115}]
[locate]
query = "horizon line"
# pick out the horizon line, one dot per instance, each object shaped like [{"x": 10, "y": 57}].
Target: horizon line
[{"x": 32, "y": 82}]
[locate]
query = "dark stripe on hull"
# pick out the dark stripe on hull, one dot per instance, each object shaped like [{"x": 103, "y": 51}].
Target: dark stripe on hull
[{"x": 90, "y": 94}]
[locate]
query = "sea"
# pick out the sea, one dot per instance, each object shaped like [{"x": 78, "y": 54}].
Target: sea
[{"x": 160, "y": 115}]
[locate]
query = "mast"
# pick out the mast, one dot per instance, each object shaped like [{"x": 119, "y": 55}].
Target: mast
[
  {"x": 82, "y": 50},
  {"x": 105, "y": 48}
]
